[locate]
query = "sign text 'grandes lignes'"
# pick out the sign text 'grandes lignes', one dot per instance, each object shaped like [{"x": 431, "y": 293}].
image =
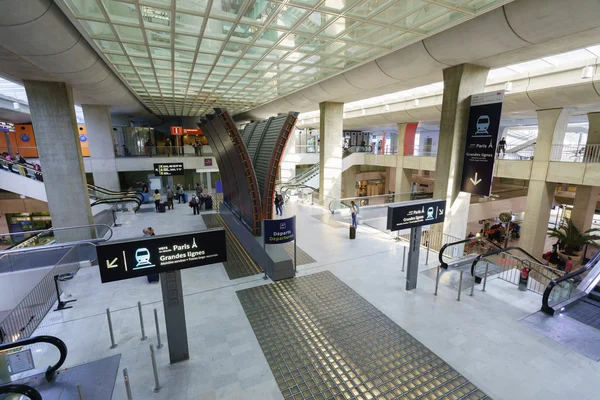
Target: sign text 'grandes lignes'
[
  {"x": 280, "y": 230},
  {"x": 168, "y": 169},
  {"x": 154, "y": 254},
  {"x": 411, "y": 214},
  {"x": 481, "y": 142}
]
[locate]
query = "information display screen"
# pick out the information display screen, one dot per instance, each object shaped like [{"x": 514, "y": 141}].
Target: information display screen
[
  {"x": 151, "y": 255},
  {"x": 168, "y": 169},
  {"x": 415, "y": 213},
  {"x": 280, "y": 230}
]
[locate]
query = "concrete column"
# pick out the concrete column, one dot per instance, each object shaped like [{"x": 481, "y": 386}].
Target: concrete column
[
  {"x": 584, "y": 206},
  {"x": 349, "y": 180},
  {"x": 594, "y": 128},
  {"x": 330, "y": 169},
  {"x": 102, "y": 150},
  {"x": 287, "y": 169},
  {"x": 552, "y": 125},
  {"x": 55, "y": 125},
  {"x": 460, "y": 82},
  {"x": 403, "y": 177}
]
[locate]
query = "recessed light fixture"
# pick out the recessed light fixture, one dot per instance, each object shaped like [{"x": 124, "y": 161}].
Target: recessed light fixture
[
  {"x": 417, "y": 102},
  {"x": 587, "y": 72},
  {"x": 508, "y": 87}
]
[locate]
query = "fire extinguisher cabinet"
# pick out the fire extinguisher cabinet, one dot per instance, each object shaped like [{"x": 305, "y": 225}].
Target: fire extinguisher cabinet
[{"x": 524, "y": 276}]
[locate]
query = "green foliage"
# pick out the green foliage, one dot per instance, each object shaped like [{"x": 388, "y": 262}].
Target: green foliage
[{"x": 572, "y": 238}]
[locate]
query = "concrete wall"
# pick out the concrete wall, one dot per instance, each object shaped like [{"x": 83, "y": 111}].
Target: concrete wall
[{"x": 491, "y": 209}]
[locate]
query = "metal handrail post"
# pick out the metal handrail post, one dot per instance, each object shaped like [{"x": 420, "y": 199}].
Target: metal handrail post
[
  {"x": 437, "y": 280},
  {"x": 144, "y": 337},
  {"x": 487, "y": 265},
  {"x": 110, "y": 330},
  {"x": 159, "y": 346},
  {"x": 403, "y": 257},
  {"x": 154, "y": 370},
  {"x": 460, "y": 285}
]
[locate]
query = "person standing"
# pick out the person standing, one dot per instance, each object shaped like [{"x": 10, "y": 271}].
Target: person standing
[
  {"x": 194, "y": 205},
  {"x": 168, "y": 147},
  {"x": 502, "y": 146},
  {"x": 170, "y": 196},
  {"x": 569, "y": 265},
  {"x": 278, "y": 204},
  {"x": 181, "y": 194},
  {"x": 354, "y": 209},
  {"x": 198, "y": 190},
  {"x": 156, "y": 199}
]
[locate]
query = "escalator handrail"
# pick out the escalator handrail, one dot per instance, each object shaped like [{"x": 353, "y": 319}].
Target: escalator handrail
[
  {"x": 119, "y": 200},
  {"x": 115, "y": 193},
  {"x": 589, "y": 265},
  {"x": 24, "y": 390},
  {"x": 506, "y": 250},
  {"x": 50, "y": 230},
  {"x": 59, "y": 344},
  {"x": 444, "y": 264}
]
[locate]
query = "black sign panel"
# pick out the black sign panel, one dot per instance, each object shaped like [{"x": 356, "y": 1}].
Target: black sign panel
[
  {"x": 411, "y": 214},
  {"x": 280, "y": 230},
  {"x": 154, "y": 254},
  {"x": 168, "y": 169},
  {"x": 482, "y": 138}
]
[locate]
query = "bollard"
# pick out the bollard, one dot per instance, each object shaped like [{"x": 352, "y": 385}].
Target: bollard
[
  {"x": 110, "y": 330},
  {"x": 127, "y": 384},
  {"x": 487, "y": 265},
  {"x": 437, "y": 279},
  {"x": 144, "y": 337},
  {"x": 428, "y": 246},
  {"x": 472, "y": 287},
  {"x": 159, "y": 346},
  {"x": 460, "y": 285},
  {"x": 403, "y": 257},
  {"x": 79, "y": 392},
  {"x": 154, "y": 369}
]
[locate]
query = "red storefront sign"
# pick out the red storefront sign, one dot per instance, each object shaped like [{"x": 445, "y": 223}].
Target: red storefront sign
[{"x": 179, "y": 131}]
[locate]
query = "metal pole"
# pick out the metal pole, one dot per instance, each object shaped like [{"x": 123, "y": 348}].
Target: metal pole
[
  {"x": 472, "y": 287},
  {"x": 437, "y": 279},
  {"x": 159, "y": 346},
  {"x": 154, "y": 369},
  {"x": 144, "y": 337},
  {"x": 110, "y": 330},
  {"x": 460, "y": 285},
  {"x": 127, "y": 384},
  {"x": 295, "y": 247},
  {"x": 79, "y": 392},
  {"x": 428, "y": 246},
  {"x": 485, "y": 277},
  {"x": 403, "y": 258},
  {"x": 264, "y": 249}
]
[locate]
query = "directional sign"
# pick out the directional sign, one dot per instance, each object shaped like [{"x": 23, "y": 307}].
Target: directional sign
[
  {"x": 411, "y": 214},
  {"x": 168, "y": 169},
  {"x": 482, "y": 139},
  {"x": 151, "y": 255},
  {"x": 280, "y": 230}
]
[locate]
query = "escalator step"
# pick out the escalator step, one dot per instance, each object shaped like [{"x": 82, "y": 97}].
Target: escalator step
[{"x": 593, "y": 300}]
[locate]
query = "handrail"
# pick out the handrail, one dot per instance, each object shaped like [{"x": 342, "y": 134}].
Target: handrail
[
  {"x": 24, "y": 390},
  {"x": 57, "y": 229},
  {"x": 505, "y": 250},
  {"x": 59, "y": 344},
  {"x": 590, "y": 264},
  {"x": 443, "y": 264},
  {"x": 50, "y": 247}
]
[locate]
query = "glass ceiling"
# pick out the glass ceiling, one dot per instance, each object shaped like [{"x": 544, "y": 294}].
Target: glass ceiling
[{"x": 183, "y": 57}]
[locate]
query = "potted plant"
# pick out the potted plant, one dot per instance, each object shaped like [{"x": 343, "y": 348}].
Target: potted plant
[{"x": 571, "y": 238}]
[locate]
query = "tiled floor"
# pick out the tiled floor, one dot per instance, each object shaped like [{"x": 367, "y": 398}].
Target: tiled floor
[
  {"x": 324, "y": 341},
  {"x": 480, "y": 336}
]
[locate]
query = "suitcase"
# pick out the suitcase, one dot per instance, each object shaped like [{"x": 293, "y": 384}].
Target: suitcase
[
  {"x": 185, "y": 197},
  {"x": 208, "y": 205},
  {"x": 153, "y": 278},
  {"x": 162, "y": 208},
  {"x": 352, "y": 232}
]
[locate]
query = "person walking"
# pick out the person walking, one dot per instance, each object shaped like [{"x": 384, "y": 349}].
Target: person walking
[
  {"x": 502, "y": 146},
  {"x": 156, "y": 199},
  {"x": 278, "y": 204},
  {"x": 194, "y": 205},
  {"x": 181, "y": 193},
  {"x": 355, "y": 210},
  {"x": 198, "y": 190},
  {"x": 170, "y": 196}
]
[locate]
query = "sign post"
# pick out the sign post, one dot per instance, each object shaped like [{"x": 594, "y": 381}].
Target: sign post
[
  {"x": 414, "y": 215},
  {"x": 280, "y": 231},
  {"x": 482, "y": 138},
  {"x": 166, "y": 255}
]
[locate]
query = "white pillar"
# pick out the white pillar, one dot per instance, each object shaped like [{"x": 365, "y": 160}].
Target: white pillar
[
  {"x": 331, "y": 132},
  {"x": 102, "y": 149}
]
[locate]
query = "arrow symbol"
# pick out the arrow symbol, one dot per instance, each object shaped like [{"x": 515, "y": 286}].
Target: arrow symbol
[
  {"x": 441, "y": 212},
  {"x": 112, "y": 263},
  {"x": 475, "y": 181}
]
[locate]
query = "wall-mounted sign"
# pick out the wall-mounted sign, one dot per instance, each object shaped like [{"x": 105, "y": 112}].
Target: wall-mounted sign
[
  {"x": 411, "y": 214},
  {"x": 152, "y": 255},
  {"x": 7, "y": 127},
  {"x": 20, "y": 361},
  {"x": 24, "y": 137},
  {"x": 482, "y": 138},
  {"x": 279, "y": 230},
  {"x": 168, "y": 169},
  {"x": 180, "y": 131},
  {"x": 208, "y": 162},
  {"x": 176, "y": 130}
]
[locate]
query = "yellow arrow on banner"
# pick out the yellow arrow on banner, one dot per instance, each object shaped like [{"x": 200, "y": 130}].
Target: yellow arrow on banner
[{"x": 112, "y": 263}]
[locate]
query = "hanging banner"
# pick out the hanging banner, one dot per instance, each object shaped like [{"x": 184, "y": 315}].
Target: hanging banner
[{"x": 482, "y": 139}]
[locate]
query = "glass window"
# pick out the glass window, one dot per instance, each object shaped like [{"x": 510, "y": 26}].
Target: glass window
[
  {"x": 156, "y": 18},
  {"x": 158, "y": 38},
  {"x": 441, "y": 22},
  {"x": 186, "y": 23},
  {"x": 338, "y": 5},
  {"x": 368, "y": 8},
  {"x": 185, "y": 42},
  {"x": 181, "y": 55},
  {"x": 398, "y": 10},
  {"x": 109, "y": 47},
  {"x": 288, "y": 17},
  {"x": 116, "y": 59},
  {"x": 120, "y": 12},
  {"x": 210, "y": 45},
  {"x": 84, "y": 8},
  {"x": 135, "y": 49},
  {"x": 98, "y": 29},
  {"x": 129, "y": 34},
  {"x": 338, "y": 27},
  {"x": 183, "y": 66},
  {"x": 423, "y": 15},
  {"x": 165, "y": 64},
  {"x": 314, "y": 22},
  {"x": 159, "y": 52},
  {"x": 141, "y": 62}
]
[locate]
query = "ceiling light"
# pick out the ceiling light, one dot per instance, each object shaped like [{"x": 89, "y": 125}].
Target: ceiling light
[
  {"x": 587, "y": 72},
  {"x": 387, "y": 107},
  {"x": 417, "y": 102},
  {"x": 508, "y": 86},
  {"x": 16, "y": 105},
  {"x": 364, "y": 111}
]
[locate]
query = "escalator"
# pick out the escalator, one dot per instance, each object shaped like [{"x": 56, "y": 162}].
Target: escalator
[{"x": 99, "y": 195}]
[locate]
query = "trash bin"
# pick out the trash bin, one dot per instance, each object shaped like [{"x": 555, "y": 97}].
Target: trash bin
[{"x": 524, "y": 278}]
